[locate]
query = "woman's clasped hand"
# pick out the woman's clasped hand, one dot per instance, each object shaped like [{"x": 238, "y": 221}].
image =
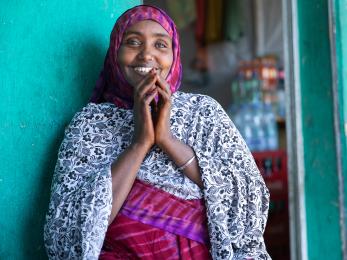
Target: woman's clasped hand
[{"x": 152, "y": 107}]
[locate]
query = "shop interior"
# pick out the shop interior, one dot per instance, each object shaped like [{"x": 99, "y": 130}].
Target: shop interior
[{"x": 233, "y": 52}]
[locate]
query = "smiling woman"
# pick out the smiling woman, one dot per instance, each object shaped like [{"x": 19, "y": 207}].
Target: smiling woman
[{"x": 148, "y": 172}]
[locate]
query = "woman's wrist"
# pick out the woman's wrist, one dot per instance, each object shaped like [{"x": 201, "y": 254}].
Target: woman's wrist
[
  {"x": 166, "y": 142},
  {"x": 140, "y": 147}
]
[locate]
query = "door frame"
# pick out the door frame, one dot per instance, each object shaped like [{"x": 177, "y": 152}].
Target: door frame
[
  {"x": 295, "y": 147},
  {"x": 338, "y": 54},
  {"x": 301, "y": 235}
]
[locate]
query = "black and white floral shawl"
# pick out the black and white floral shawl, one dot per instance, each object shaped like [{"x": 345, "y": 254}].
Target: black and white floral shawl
[{"x": 235, "y": 194}]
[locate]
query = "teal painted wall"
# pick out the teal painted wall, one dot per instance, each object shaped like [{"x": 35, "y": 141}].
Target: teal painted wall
[
  {"x": 50, "y": 56},
  {"x": 321, "y": 179},
  {"x": 341, "y": 59}
]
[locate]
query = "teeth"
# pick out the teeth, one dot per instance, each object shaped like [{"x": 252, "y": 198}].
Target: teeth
[{"x": 143, "y": 70}]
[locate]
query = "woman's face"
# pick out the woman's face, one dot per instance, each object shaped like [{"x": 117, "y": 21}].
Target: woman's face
[{"x": 145, "y": 45}]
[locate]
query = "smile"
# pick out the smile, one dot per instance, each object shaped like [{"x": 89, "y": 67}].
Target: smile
[{"x": 143, "y": 70}]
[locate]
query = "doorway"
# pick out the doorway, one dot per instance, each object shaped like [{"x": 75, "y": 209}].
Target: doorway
[{"x": 244, "y": 58}]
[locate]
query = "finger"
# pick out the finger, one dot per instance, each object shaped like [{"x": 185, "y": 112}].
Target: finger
[
  {"x": 147, "y": 80},
  {"x": 162, "y": 83},
  {"x": 163, "y": 94},
  {"x": 148, "y": 99},
  {"x": 146, "y": 89},
  {"x": 164, "y": 97}
]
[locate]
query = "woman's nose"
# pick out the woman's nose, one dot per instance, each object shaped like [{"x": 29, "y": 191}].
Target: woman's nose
[{"x": 146, "y": 53}]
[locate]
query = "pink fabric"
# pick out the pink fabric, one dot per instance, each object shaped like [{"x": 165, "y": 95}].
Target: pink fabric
[
  {"x": 127, "y": 239},
  {"x": 111, "y": 85},
  {"x": 155, "y": 207},
  {"x": 154, "y": 224}
]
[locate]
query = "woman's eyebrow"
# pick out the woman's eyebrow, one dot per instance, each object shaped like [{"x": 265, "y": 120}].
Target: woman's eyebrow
[
  {"x": 162, "y": 35},
  {"x": 132, "y": 32}
]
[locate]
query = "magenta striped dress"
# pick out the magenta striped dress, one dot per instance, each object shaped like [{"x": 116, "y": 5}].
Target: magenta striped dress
[{"x": 154, "y": 224}]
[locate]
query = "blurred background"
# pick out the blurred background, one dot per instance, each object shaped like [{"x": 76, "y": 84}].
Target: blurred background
[
  {"x": 233, "y": 51},
  {"x": 277, "y": 67},
  {"x": 274, "y": 67}
]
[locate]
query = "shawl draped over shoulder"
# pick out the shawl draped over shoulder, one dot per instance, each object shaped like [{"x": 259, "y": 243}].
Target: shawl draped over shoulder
[{"x": 235, "y": 195}]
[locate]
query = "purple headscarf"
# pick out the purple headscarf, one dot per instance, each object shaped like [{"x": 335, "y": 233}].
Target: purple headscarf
[{"x": 112, "y": 86}]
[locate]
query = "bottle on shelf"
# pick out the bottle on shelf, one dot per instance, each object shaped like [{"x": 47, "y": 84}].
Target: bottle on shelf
[
  {"x": 258, "y": 127},
  {"x": 280, "y": 105},
  {"x": 271, "y": 131},
  {"x": 248, "y": 127},
  {"x": 254, "y": 94}
]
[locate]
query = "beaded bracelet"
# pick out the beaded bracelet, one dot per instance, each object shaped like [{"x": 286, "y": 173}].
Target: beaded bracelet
[{"x": 186, "y": 164}]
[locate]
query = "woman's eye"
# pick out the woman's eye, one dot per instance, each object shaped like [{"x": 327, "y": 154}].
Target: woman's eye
[
  {"x": 133, "y": 42},
  {"x": 160, "y": 45}
]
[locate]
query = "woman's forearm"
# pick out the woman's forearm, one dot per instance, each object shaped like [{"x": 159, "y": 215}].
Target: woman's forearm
[
  {"x": 180, "y": 153},
  {"x": 124, "y": 171}
]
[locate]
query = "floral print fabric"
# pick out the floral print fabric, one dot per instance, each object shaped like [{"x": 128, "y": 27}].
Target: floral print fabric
[{"x": 234, "y": 191}]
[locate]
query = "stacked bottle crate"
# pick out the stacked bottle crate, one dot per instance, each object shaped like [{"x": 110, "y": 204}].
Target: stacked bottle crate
[{"x": 273, "y": 167}]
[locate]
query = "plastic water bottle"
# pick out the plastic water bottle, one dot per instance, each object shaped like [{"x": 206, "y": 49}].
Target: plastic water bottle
[
  {"x": 235, "y": 92},
  {"x": 258, "y": 127},
  {"x": 242, "y": 121},
  {"x": 248, "y": 128},
  {"x": 256, "y": 95},
  {"x": 239, "y": 120},
  {"x": 271, "y": 132},
  {"x": 232, "y": 111},
  {"x": 281, "y": 110}
]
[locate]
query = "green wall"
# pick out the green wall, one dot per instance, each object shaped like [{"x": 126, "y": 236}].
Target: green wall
[
  {"x": 341, "y": 59},
  {"x": 320, "y": 161},
  {"x": 50, "y": 56}
]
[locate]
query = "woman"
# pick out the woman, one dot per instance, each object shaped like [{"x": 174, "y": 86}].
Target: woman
[{"x": 140, "y": 162}]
